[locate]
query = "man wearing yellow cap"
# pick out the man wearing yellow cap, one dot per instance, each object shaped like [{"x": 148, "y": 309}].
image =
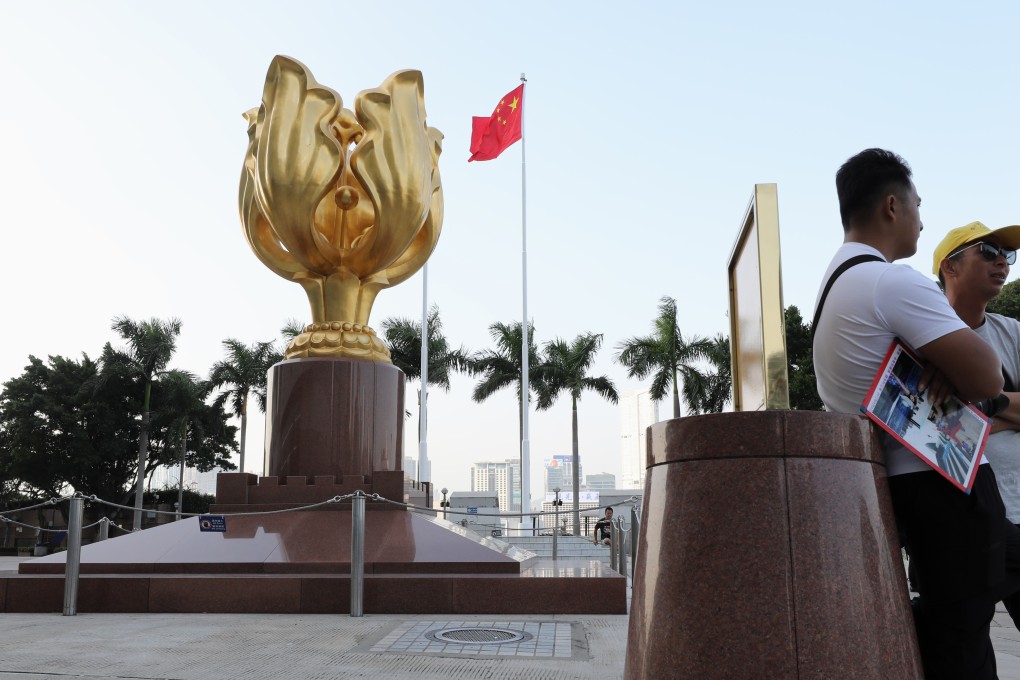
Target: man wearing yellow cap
[
  {"x": 972, "y": 263},
  {"x": 956, "y": 540}
]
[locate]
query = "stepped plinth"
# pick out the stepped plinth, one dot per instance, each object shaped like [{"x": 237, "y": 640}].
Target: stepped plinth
[{"x": 334, "y": 430}]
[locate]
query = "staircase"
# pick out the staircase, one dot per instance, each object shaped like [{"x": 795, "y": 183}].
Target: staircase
[{"x": 568, "y": 547}]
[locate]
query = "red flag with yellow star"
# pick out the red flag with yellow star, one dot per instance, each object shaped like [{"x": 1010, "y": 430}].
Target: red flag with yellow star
[{"x": 491, "y": 136}]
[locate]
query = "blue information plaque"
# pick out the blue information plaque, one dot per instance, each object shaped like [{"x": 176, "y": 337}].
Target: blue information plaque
[{"x": 212, "y": 523}]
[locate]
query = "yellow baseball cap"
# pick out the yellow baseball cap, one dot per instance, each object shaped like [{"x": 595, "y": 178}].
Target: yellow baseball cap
[{"x": 1009, "y": 237}]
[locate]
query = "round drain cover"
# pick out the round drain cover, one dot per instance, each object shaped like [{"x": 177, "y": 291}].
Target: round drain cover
[{"x": 479, "y": 636}]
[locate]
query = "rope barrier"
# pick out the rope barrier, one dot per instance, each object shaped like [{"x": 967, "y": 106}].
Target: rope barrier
[
  {"x": 8, "y": 520},
  {"x": 330, "y": 501},
  {"x": 52, "y": 501},
  {"x": 537, "y": 513},
  {"x": 633, "y": 500}
]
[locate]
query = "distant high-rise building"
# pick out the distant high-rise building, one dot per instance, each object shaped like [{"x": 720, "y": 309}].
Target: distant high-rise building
[
  {"x": 205, "y": 483},
  {"x": 503, "y": 477},
  {"x": 410, "y": 468},
  {"x": 600, "y": 481},
  {"x": 637, "y": 411},
  {"x": 559, "y": 472},
  {"x": 169, "y": 477}
]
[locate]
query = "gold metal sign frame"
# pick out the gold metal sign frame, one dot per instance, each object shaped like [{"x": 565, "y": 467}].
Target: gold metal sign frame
[{"x": 757, "y": 328}]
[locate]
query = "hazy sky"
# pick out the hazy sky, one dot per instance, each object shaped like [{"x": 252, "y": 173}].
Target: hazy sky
[{"x": 647, "y": 126}]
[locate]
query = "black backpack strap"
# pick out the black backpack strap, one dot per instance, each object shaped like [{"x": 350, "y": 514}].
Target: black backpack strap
[
  {"x": 1007, "y": 382},
  {"x": 852, "y": 262}
]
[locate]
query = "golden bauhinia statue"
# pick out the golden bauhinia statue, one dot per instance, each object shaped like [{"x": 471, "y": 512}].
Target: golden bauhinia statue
[{"x": 344, "y": 203}]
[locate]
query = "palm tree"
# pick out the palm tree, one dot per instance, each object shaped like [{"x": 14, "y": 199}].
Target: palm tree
[
  {"x": 667, "y": 356},
  {"x": 185, "y": 400},
  {"x": 404, "y": 339},
  {"x": 566, "y": 367},
  {"x": 151, "y": 345},
  {"x": 501, "y": 367},
  {"x": 291, "y": 329},
  {"x": 243, "y": 371},
  {"x": 713, "y": 387}
]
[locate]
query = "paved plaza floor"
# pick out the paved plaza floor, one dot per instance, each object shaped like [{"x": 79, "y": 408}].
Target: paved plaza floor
[{"x": 324, "y": 647}]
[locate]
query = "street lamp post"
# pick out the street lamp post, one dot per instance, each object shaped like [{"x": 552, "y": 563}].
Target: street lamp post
[{"x": 444, "y": 504}]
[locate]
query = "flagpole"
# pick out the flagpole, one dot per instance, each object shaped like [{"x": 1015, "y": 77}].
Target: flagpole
[
  {"x": 424, "y": 474},
  {"x": 525, "y": 372}
]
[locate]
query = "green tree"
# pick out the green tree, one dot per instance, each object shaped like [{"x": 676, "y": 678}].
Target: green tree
[
  {"x": 242, "y": 373},
  {"x": 800, "y": 364},
  {"x": 1007, "y": 302},
  {"x": 566, "y": 369},
  {"x": 59, "y": 428},
  {"x": 10, "y": 485},
  {"x": 151, "y": 345},
  {"x": 190, "y": 502},
  {"x": 667, "y": 356},
  {"x": 186, "y": 425},
  {"x": 501, "y": 367}
]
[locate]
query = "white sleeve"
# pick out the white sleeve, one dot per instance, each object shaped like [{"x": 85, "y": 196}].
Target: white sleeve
[{"x": 913, "y": 308}]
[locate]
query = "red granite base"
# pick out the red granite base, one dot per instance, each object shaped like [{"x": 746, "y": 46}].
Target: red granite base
[
  {"x": 340, "y": 417},
  {"x": 770, "y": 533},
  {"x": 245, "y": 492},
  {"x": 299, "y": 562},
  {"x": 568, "y": 592}
]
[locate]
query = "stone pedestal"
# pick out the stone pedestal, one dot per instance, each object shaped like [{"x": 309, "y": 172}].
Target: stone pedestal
[
  {"x": 768, "y": 549},
  {"x": 334, "y": 417}
]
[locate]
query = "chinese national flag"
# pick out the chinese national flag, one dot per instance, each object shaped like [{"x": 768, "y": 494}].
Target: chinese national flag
[{"x": 491, "y": 136}]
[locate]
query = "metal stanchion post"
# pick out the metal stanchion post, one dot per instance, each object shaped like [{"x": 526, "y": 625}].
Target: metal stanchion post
[
  {"x": 73, "y": 557},
  {"x": 556, "y": 520},
  {"x": 612, "y": 544},
  {"x": 358, "y": 554},
  {"x": 634, "y": 529},
  {"x": 104, "y": 529},
  {"x": 621, "y": 556}
]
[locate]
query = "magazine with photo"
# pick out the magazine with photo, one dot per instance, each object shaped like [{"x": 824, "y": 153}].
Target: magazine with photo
[{"x": 950, "y": 437}]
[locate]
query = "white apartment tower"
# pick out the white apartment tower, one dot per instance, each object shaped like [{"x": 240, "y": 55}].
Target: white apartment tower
[
  {"x": 637, "y": 411},
  {"x": 503, "y": 477}
]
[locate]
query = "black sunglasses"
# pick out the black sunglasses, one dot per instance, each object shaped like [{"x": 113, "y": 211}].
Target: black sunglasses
[{"x": 990, "y": 252}]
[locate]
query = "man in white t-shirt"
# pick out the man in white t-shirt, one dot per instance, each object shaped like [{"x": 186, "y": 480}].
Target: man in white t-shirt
[
  {"x": 972, "y": 263},
  {"x": 956, "y": 541}
]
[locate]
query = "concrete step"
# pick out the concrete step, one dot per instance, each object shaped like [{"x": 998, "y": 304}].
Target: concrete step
[{"x": 580, "y": 547}]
